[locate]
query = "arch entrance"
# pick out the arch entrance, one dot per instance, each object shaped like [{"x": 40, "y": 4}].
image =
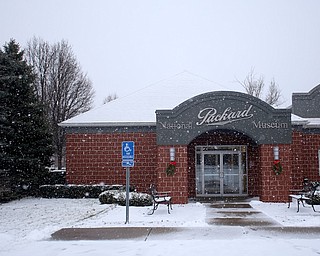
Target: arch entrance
[
  {"x": 221, "y": 170},
  {"x": 219, "y": 160}
]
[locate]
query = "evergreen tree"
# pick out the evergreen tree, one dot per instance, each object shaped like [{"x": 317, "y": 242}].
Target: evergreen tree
[{"x": 25, "y": 143}]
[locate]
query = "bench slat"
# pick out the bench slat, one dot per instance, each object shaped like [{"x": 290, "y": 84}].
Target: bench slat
[{"x": 301, "y": 197}]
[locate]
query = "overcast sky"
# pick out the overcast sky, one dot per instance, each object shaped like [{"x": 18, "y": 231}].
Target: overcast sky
[{"x": 126, "y": 45}]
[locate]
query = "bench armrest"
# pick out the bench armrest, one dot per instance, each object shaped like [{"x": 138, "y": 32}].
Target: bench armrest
[{"x": 299, "y": 197}]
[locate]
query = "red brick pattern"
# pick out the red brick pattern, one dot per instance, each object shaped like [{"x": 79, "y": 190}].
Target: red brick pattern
[
  {"x": 178, "y": 183},
  {"x": 275, "y": 188},
  {"x": 96, "y": 158},
  {"x": 305, "y": 162}
]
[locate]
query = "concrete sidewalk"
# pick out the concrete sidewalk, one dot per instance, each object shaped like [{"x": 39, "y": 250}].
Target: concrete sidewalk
[
  {"x": 224, "y": 220},
  {"x": 180, "y": 233}
]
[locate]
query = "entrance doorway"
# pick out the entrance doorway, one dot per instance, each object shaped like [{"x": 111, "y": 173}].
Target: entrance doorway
[{"x": 221, "y": 171}]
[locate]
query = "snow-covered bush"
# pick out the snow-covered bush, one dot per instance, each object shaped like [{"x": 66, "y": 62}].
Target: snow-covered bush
[
  {"x": 119, "y": 197},
  {"x": 109, "y": 197}
]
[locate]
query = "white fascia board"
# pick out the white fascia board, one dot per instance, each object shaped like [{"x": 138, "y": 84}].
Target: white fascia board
[
  {"x": 313, "y": 123},
  {"x": 107, "y": 124}
]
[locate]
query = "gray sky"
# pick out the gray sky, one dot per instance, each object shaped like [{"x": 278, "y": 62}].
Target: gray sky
[{"x": 126, "y": 45}]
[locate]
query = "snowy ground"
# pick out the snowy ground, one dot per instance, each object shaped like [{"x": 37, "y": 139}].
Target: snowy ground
[{"x": 26, "y": 227}]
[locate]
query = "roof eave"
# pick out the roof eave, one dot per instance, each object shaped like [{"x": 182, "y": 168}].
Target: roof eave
[{"x": 108, "y": 124}]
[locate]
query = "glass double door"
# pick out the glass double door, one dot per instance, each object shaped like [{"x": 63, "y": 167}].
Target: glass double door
[{"x": 220, "y": 173}]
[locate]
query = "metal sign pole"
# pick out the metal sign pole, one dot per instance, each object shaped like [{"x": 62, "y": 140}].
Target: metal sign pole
[
  {"x": 127, "y": 193},
  {"x": 127, "y": 161}
]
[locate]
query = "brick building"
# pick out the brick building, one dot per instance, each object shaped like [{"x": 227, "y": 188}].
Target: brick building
[{"x": 224, "y": 143}]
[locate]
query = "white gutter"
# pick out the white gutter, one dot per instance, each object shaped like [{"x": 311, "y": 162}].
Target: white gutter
[{"x": 107, "y": 124}]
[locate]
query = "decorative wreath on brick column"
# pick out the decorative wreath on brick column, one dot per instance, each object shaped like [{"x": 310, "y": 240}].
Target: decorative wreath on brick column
[
  {"x": 171, "y": 168},
  {"x": 277, "y": 167}
]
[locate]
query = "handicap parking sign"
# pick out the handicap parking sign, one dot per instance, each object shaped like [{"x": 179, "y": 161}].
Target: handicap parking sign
[
  {"x": 127, "y": 154},
  {"x": 127, "y": 150}
]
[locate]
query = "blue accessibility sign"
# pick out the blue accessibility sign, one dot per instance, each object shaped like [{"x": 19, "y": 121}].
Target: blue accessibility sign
[
  {"x": 127, "y": 163},
  {"x": 127, "y": 150},
  {"x": 127, "y": 153}
]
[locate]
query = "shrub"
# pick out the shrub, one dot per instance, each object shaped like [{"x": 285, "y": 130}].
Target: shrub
[
  {"x": 315, "y": 200},
  {"x": 108, "y": 197},
  {"x": 56, "y": 177},
  {"x": 8, "y": 196},
  {"x": 119, "y": 197},
  {"x": 75, "y": 191}
]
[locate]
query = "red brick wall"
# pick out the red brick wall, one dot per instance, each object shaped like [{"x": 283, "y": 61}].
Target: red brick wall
[
  {"x": 178, "y": 183},
  {"x": 299, "y": 160},
  {"x": 254, "y": 174},
  {"x": 191, "y": 171},
  {"x": 305, "y": 162},
  {"x": 311, "y": 155},
  {"x": 299, "y": 163},
  {"x": 96, "y": 158},
  {"x": 275, "y": 188}
]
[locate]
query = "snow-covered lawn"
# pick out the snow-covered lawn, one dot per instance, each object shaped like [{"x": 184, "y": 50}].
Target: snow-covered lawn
[
  {"x": 289, "y": 217},
  {"x": 26, "y": 227}
]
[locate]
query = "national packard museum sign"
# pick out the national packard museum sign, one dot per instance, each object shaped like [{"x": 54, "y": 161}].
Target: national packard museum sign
[{"x": 224, "y": 111}]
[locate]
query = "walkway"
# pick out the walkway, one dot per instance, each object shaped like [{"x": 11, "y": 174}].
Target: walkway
[
  {"x": 237, "y": 214},
  {"x": 225, "y": 221}
]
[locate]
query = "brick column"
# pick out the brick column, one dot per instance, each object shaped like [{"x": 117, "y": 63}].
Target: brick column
[
  {"x": 178, "y": 183},
  {"x": 275, "y": 188}
]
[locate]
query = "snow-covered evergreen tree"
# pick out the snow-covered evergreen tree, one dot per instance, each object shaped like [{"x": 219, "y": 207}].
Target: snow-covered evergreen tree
[{"x": 25, "y": 143}]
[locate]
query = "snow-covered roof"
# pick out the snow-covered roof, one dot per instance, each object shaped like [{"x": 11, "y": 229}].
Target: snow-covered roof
[
  {"x": 313, "y": 122},
  {"x": 306, "y": 122},
  {"x": 138, "y": 108},
  {"x": 297, "y": 120}
]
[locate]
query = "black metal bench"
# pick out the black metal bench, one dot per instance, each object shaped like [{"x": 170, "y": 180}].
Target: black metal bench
[
  {"x": 309, "y": 195},
  {"x": 300, "y": 199},
  {"x": 160, "y": 198}
]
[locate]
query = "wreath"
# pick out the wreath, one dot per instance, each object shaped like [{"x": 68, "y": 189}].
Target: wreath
[
  {"x": 171, "y": 168},
  {"x": 277, "y": 167}
]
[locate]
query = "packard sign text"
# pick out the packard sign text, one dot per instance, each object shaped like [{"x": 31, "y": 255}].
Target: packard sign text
[{"x": 210, "y": 116}]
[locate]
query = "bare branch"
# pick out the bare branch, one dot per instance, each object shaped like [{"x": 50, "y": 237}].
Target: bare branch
[
  {"x": 60, "y": 83},
  {"x": 273, "y": 94},
  {"x": 254, "y": 86}
]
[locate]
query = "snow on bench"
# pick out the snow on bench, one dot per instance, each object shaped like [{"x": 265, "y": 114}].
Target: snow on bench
[
  {"x": 310, "y": 196},
  {"x": 160, "y": 198}
]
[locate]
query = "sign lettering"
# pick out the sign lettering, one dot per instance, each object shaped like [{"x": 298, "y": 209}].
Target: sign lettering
[
  {"x": 209, "y": 116},
  {"x": 272, "y": 125},
  {"x": 167, "y": 125}
]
